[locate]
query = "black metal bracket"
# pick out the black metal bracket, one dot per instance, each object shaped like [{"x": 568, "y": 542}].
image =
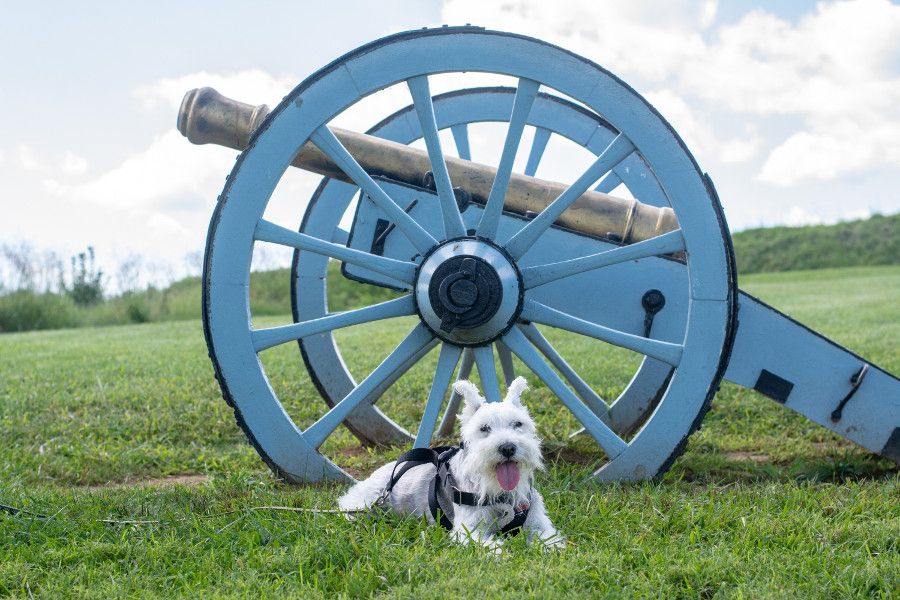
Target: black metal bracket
[
  {"x": 383, "y": 227},
  {"x": 653, "y": 301},
  {"x": 855, "y": 381}
]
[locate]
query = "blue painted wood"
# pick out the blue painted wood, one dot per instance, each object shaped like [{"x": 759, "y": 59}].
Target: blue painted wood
[
  {"x": 487, "y": 372},
  {"x": 575, "y": 124},
  {"x": 525, "y": 94},
  {"x": 446, "y": 365},
  {"x": 461, "y": 138},
  {"x": 542, "y": 274},
  {"x": 680, "y": 407},
  {"x": 273, "y": 336},
  {"x": 506, "y": 362},
  {"x": 445, "y": 429},
  {"x": 581, "y": 387},
  {"x": 618, "y": 149},
  {"x": 421, "y": 95},
  {"x": 419, "y": 54},
  {"x": 612, "y": 444},
  {"x": 609, "y": 182},
  {"x": 396, "y": 269},
  {"x": 326, "y": 141},
  {"x": 416, "y": 341},
  {"x": 538, "y": 145},
  {"x": 819, "y": 371},
  {"x": 540, "y": 313}
]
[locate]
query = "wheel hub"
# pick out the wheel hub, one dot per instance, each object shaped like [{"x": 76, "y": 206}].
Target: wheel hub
[{"x": 468, "y": 291}]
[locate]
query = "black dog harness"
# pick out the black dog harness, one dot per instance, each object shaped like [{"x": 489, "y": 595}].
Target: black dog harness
[{"x": 443, "y": 479}]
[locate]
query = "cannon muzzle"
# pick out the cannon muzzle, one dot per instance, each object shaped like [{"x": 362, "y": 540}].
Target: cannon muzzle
[{"x": 207, "y": 117}]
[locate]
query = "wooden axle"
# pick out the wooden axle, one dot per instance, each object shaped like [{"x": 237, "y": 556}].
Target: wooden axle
[{"x": 207, "y": 117}]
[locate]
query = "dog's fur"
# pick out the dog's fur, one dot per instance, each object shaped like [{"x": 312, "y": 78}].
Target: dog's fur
[{"x": 485, "y": 427}]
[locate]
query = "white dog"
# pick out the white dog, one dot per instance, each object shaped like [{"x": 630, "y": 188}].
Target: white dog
[{"x": 479, "y": 491}]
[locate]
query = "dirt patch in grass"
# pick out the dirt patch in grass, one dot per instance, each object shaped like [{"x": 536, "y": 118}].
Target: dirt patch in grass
[
  {"x": 741, "y": 456},
  {"x": 170, "y": 481}
]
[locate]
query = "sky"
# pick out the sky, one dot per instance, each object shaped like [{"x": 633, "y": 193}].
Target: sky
[{"x": 790, "y": 106}]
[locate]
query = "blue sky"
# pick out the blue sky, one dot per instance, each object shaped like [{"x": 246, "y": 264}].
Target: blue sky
[{"x": 789, "y": 105}]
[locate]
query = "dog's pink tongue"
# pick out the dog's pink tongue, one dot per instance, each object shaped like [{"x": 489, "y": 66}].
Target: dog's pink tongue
[{"x": 508, "y": 475}]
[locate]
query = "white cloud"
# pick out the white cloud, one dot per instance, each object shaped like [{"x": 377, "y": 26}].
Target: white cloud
[
  {"x": 252, "y": 86},
  {"x": 73, "y": 164},
  {"x": 698, "y": 134},
  {"x": 170, "y": 170},
  {"x": 26, "y": 158},
  {"x": 708, "y": 12},
  {"x": 830, "y": 71},
  {"x": 797, "y": 215}
]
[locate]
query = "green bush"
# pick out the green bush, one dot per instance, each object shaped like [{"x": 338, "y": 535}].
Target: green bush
[
  {"x": 136, "y": 309},
  {"x": 870, "y": 242},
  {"x": 86, "y": 288},
  {"x": 25, "y": 310}
]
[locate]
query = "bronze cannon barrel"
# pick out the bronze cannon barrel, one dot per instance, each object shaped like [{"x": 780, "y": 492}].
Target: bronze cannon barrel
[{"x": 207, "y": 117}]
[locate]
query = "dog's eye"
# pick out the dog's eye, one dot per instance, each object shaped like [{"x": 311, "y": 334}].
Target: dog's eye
[
  {"x": 485, "y": 429},
  {"x": 517, "y": 424}
]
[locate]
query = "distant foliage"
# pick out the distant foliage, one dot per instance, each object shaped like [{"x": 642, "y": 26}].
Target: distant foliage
[
  {"x": 873, "y": 241},
  {"x": 86, "y": 286},
  {"x": 30, "y": 297},
  {"x": 24, "y": 310}
]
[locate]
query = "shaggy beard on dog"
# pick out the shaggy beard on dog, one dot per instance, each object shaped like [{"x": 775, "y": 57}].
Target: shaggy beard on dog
[
  {"x": 487, "y": 429},
  {"x": 500, "y": 454}
]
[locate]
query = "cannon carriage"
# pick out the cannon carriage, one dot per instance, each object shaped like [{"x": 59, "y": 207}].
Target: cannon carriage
[{"x": 484, "y": 258}]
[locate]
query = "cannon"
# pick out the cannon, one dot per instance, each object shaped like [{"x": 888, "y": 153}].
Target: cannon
[{"x": 484, "y": 258}]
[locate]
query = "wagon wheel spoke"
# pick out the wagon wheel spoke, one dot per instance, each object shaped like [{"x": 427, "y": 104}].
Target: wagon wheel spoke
[
  {"x": 399, "y": 359},
  {"x": 447, "y": 360},
  {"x": 449, "y": 418},
  {"x": 461, "y": 138},
  {"x": 506, "y": 363},
  {"x": 421, "y": 95},
  {"x": 326, "y": 141},
  {"x": 581, "y": 387},
  {"x": 617, "y": 150},
  {"x": 541, "y": 313},
  {"x": 667, "y": 243},
  {"x": 609, "y": 182},
  {"x": 612, "y": 444},
  {"x": 273, "y": 336},
  {"x": 487, "y": 371},
  {"x": 538, "y": 145},
  {"x": 522, "y": 103},
  {"x": 266, "y": 231}
]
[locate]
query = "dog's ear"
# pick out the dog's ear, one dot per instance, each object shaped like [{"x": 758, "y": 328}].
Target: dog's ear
[
  {"x": 471, "y": 397},
  {"x": 514, "y": 393}
]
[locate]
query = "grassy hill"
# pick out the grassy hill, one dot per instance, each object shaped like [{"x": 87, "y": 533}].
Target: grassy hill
[{"x": 873, "y": 241}]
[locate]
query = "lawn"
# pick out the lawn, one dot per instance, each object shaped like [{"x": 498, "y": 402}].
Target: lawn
[{"x": 97, "y": 423}]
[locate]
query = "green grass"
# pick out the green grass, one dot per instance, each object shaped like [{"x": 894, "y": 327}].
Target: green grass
[
  {"x": 762, "y": 504},
  {"x": 872, "y": 241}
]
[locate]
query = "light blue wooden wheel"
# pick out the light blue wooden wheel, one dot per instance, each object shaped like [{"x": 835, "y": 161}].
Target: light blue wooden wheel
[
  {"x": 549, "y": 115},
  {"x": 698, "y": 358}
]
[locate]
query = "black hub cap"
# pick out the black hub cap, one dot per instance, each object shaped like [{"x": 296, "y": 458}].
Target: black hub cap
[{"x": 464, "y": 292}]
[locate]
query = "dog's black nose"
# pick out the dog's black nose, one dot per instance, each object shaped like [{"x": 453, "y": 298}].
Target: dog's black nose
[{"x": 507, "y": 449}]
